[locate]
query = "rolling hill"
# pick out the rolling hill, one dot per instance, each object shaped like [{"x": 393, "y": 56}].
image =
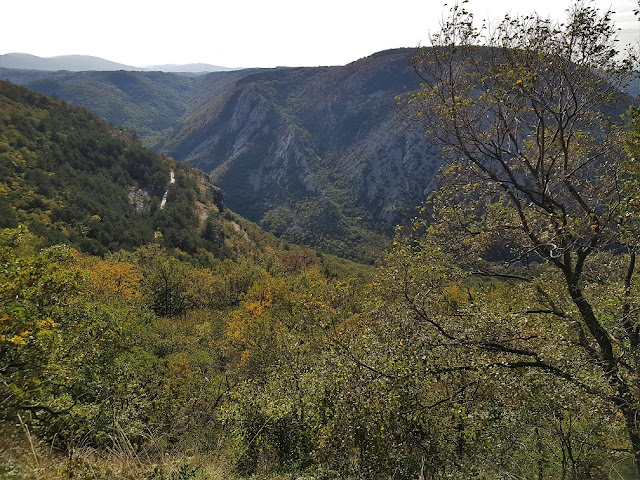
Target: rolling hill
[
  {"x": 188, "y": 68},
  {"x": 74, "y": 63},
  {"x": 83, "y": 63}
]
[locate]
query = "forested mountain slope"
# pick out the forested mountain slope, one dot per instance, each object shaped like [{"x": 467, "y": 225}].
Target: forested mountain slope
[
  {"x": 148, "y": 102},
  {"x": 319, "y": 156},
  {"x": 498, "y": 338},
  {"x": 73, "y": 178}
]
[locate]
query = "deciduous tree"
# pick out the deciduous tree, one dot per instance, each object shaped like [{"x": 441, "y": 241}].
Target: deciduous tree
[{"x": 537, "y": 190}]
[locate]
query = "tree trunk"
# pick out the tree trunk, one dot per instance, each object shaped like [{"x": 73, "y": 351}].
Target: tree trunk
[
  {"x": 632, "y": 419},
  {"x": 622, "y": 397}
]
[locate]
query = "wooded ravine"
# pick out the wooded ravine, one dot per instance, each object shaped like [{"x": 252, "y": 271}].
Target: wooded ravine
[{"x": 422, "y": 264}]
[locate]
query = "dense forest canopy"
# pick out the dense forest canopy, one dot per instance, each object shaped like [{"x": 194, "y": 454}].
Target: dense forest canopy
[
  {"x": 73, "y": 178},
  {"x": 497, "y": 338}
]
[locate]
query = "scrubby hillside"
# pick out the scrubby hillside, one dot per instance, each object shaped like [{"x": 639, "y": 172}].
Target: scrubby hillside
[
  {"x": 73, "y": 178},
  {"x": 134, "y": 308}
]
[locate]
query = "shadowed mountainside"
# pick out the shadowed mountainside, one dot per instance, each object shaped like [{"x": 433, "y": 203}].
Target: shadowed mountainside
[{"x": 319, "y": 156}]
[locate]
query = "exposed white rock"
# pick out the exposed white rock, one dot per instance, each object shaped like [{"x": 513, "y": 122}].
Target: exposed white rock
[
  {"x": 139, "y": 198},
  {"x": 172, "y": 179}
]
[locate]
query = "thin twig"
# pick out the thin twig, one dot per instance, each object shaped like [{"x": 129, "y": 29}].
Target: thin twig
[{"x": 33, "y": 448}]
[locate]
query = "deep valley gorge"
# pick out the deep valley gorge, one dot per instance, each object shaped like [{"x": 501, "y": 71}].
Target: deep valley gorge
[
  {"x": 319, "y": 156},
  {"x": 422, "y": 264}
]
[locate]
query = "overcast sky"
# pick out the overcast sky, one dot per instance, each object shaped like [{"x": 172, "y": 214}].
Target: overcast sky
[{"x": 247, "y": 33}]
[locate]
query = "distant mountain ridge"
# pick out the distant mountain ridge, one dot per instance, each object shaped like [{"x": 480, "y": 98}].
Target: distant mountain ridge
[
  {"x": 83, "y": 63},
  {"x": 73, "y": 63},
  {"x": 188, "y": 68}
]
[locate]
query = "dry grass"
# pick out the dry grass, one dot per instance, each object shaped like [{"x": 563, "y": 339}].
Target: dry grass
[{"x": 19, "y": 461}]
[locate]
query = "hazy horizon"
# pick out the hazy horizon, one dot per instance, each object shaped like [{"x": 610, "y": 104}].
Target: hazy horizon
[
  {"x": 54, "y": 57},
  {"x": 249, "y": 33}
]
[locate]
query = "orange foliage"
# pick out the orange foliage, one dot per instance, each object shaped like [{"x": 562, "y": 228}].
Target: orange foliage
[
  {"x": 294, "y": 261},
  {"x": 112, "y": 277},
  {"x": 250, "y": 325}
]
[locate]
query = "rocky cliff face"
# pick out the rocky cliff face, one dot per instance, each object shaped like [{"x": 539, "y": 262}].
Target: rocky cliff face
[
  {"x": 321, "y": 156},
  {"x": 278, "y": 141}
]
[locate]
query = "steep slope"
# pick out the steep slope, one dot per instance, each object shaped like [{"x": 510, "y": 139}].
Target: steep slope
[
  {"x": 317, "y": 155},
  {"x": 73, "y": 178}
]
